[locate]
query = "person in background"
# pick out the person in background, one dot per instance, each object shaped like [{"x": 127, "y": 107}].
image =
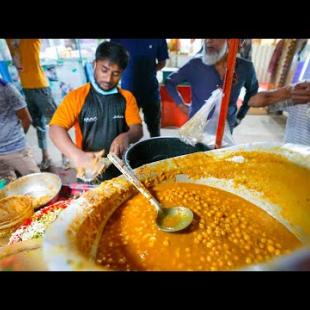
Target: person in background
[
  {"x": 146, "y": 58},
  {"x": 245, "y": 49},
  {"x": 26, "y": 57},
  {"x": 205, "y": 72},
  {"x": 295, "y": 99},
  {"x": 15, "y": 120},
  {"x": 105, "y": 116}
]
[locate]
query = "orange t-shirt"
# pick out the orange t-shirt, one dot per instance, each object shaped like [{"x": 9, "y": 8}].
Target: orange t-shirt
[
  {"x": 26, "y": 54},
  {"x": 68, "y": 113}
]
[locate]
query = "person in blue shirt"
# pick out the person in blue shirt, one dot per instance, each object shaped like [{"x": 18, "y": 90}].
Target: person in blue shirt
[
  {"x": 205, "y": 72},
  {"x": 146, "y": 57}
]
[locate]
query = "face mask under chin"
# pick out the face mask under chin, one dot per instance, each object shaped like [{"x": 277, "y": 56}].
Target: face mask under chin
[{"x": 101, "y": 91}]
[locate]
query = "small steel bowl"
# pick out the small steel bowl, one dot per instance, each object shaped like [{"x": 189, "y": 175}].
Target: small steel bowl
[{"x": 41, "y": 187}]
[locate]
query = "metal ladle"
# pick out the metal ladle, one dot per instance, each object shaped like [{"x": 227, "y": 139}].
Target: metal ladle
[{"x": 168, "y": 219}]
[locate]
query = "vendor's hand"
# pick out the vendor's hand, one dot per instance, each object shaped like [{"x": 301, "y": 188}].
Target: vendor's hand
[
  {"x": 300, "y": 93},
  {"x": 83, "y": 159},
  {"x": 89, "y": 165},
  {"x": 184, "y": 108},
  {"x": 120, "y": 144}
]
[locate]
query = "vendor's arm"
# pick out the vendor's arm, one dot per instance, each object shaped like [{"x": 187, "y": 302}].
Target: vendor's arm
[
  {"x": 65, "y": 145},
  {"x": 64, "y": 118},
  {"x": 122, "y": 141}
]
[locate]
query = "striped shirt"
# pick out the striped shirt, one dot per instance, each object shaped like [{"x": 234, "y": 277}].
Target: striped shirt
[
  {"x": 297, "y": 128},
  {"x": 12, "y": 137}
]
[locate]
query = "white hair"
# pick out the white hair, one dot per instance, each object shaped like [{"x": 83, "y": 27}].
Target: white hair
[{"x": 213, "y": 58}]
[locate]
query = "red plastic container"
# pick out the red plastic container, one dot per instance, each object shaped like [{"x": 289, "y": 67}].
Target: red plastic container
[{"x": 171, "y": 115}]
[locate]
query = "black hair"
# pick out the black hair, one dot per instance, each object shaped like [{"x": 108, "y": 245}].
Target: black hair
[{"x": 114, "y": 52}]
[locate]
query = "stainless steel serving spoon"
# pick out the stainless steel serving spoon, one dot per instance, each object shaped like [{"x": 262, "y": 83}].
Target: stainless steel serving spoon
[{"x": 168, "y": 219}]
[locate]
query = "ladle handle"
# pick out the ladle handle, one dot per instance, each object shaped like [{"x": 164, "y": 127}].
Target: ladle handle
[{"x": 129, "y": 174}]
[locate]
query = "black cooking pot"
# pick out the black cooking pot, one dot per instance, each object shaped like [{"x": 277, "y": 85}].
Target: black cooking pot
[{"x": 158, "y": 148}]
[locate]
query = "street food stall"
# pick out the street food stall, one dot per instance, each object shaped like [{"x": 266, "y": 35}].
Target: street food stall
[{"x": 250, "y": 207}]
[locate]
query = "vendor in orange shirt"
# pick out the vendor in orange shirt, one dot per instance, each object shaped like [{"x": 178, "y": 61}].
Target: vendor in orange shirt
[{"x": 104, "y": 115}]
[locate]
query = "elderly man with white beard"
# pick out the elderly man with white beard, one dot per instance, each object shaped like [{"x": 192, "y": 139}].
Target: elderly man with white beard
[{"x": 205, "y": 72}]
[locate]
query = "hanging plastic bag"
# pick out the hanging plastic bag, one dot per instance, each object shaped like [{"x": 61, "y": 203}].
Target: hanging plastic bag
[{"x": 202, "y": 127}]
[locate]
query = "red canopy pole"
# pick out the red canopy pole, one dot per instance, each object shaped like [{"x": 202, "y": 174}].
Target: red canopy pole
[{"x": 233, "y": 45}]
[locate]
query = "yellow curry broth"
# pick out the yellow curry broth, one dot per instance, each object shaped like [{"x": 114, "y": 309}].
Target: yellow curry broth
[
  {"x": 279, "y": 180},
  {"x": 227, "y": 232}
]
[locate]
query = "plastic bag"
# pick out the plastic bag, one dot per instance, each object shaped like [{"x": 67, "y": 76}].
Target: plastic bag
[{"x": 201, "y": 128}]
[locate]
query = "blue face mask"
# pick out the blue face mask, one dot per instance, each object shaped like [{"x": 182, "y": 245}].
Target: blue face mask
[{"x": 100, "y": 90}]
